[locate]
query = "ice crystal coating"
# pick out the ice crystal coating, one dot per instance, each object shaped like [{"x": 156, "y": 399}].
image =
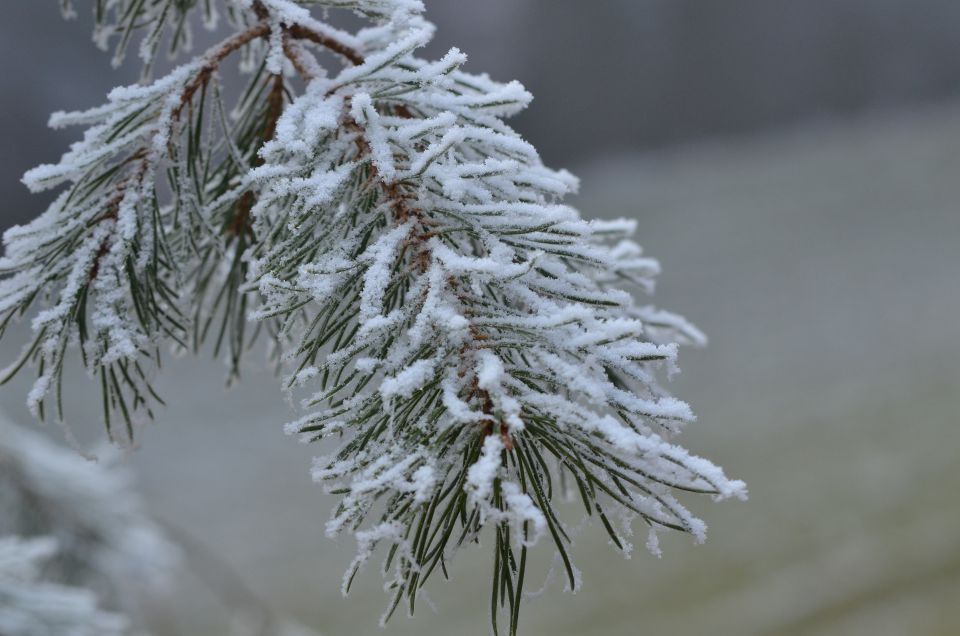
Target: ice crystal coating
[{"x": 470, "y": 341}]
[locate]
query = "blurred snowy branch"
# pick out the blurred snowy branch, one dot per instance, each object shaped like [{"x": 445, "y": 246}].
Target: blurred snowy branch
[{"x": 31, "y": 606}]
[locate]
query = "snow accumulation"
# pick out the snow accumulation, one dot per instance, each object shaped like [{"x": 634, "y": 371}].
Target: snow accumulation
[{"x": 464, "y": 335}]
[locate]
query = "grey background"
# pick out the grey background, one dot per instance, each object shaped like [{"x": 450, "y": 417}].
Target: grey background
[
  {"x": 608, "y": 75},
  {"x": 794, "y": 167}
]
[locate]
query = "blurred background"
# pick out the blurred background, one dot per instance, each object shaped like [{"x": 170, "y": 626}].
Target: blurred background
[{"x": 794, "y": 166}]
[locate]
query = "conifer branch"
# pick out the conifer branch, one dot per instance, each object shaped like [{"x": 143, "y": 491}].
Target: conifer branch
[
  {"x": 212, "y": 62},
  {"x": 300, "y": 32},
  {"x": 472, "y": 343}
]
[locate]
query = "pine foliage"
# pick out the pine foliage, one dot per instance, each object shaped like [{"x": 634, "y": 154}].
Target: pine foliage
[
  {"x": 74, "y": 537},
  {"x": 470, "y": 342},
  {"x": 30, "y": 606},
  {"x": 91, "y": 510}
]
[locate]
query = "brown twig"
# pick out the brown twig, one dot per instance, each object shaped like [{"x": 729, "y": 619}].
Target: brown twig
[
  {"x": 300, "y": 32},
  {"x": 298, "y": 64},
  {"x": 214, "y": 58},
  {"x": 241, "y": 219},
  {"x": 402, "y": 212},
  {"x": 113, "y": 207}
]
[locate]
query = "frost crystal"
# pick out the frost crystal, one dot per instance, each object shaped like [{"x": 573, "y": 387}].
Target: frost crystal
[{"x": 470, "y": 341}]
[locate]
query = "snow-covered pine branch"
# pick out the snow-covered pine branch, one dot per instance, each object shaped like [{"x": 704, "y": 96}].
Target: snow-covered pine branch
[
  {"x": 30, "y": 606},
  {"x": 471, "y": 342},
  {"x": 90, "y": 511},
  {"x": 88, "y": 527}
]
